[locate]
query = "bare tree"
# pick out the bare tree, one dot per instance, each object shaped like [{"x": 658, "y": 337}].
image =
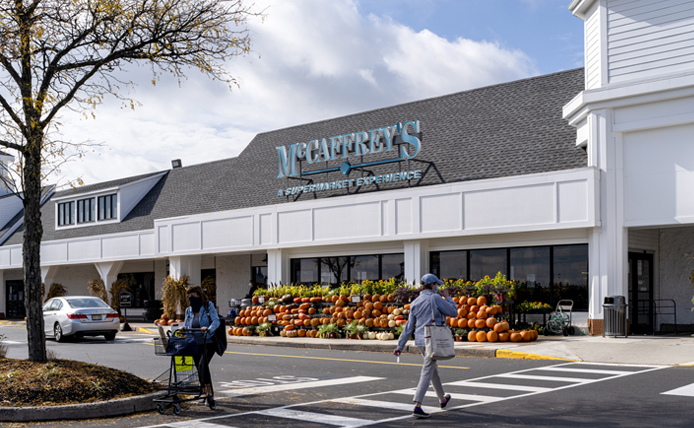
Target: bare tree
[{"x": 57, "y": 54}]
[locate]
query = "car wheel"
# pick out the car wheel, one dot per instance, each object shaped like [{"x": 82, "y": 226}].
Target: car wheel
[
  {"x": 110, "y": 336},
  {"x": 58, "y": 333}
]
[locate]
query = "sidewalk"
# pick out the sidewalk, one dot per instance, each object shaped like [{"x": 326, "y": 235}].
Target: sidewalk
[{"x": 650, "y": 350}]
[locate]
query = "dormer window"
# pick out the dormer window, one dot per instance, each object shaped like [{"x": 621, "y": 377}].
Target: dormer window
[
  {"x": 85, "y": 210},
  {"x": 108, "y": 207},
  {"x": 65, "y": 216}
]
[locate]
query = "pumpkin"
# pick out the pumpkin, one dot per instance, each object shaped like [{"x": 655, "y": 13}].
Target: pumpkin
[
  {"x": 525, "y": 335},
  {"x": 480, "y": 324},
  {"x": 462, "y": 313},
  {"x": 289, "y": 327},
  {"x": 471, "y": 315},
  {"x": 474, "y": 308},
  {"x": 462, "y": 323},
  {"x": 490, "y": 310},
  {"x": 283, "y": 333},
  {"x": 481, "y": 301},
  {"x": 503, "y": 337},
  {"x": 481, "y": 315},
  {"x": 491, "y": 321},
  {"x": 492, "y": 336},
  {"x": 481, "y": 336},
  {"x": 472, "y": 336},
  {"x": 516, "y": 337},
  {"x": 535, "y": 334},
  {"x": 301, "y": 332},
  {"x": 471, "y": 301}
]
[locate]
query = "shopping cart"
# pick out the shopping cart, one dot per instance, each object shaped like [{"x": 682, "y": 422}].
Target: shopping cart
[{"x": 184, "y": 377}]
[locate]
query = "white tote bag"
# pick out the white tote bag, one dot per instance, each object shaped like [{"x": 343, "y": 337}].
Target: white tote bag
[{"x": 438, "y": 339}]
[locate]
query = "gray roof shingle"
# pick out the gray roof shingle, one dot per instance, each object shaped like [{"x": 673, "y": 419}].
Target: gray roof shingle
[{"x": 503, "y": 130}]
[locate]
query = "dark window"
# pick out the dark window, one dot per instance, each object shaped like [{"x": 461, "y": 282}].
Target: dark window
[
  {"x": 570, "y": 271},
  {"x": 85, "y": 210},
  {"x": 142, "y": 286},
  {"x": 487, "y": 263},
  {"x": 259, "y": 275},
  {"x": 65, "y": 215},
  {"x": 449, "y": 264},
  {"x": 530, "y": 267},
  {"x": 108, "y": 208},
  {"x": 335, "y": 270},
  {"x": 393, "y": 266},
  {"x": 364, "y": 267}
]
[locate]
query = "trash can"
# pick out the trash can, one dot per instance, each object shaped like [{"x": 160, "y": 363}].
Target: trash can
[{"x": 615, "y": 318}]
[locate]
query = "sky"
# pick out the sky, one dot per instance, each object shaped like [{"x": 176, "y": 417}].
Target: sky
[{"x": 318, "y": 59}]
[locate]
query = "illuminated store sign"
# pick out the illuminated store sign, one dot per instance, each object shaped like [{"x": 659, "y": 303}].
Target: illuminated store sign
[{"x": 355, "y": 144}]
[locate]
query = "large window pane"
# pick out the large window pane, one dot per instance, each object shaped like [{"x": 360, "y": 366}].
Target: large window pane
[
  {"x": 451, "y": 264},
  {"x": 305, "y": 271},
  {"x": 530, "y": 267},
  {"x": 363, "y": 268},
  {"x": 334, "y": 270},
  {"x": 393, "y": 266},
  {"x": 487, "y": 262},
  {"x": 571, "y": 275}
]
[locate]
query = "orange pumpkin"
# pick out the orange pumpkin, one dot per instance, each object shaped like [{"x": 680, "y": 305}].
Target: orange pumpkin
[
  {"x": 462, "y": 323},
  {"x": 526, "y": 335},
  {"x": 492, "y": 336},
  {"x": 503, "y": 337},
  {"x": 472, "y": 336},
  {"x": 491, "y": 321},
  {"x": 462, "y": 312},
  {"x": 516, "y": 337},
  {"x": 480, "y": 323},
  {"x": 481, "y": 301},
  {"x": 471, "y": 301},
  {"x": 481, "y": 336}
]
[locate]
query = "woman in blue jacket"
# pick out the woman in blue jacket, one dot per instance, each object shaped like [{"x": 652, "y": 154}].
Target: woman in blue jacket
[{"x": 202, "y": 314}]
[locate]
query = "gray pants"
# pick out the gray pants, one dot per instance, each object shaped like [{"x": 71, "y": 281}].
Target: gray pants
[{"x": 429, "y": 374}]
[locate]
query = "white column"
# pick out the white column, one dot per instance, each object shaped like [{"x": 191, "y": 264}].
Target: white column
[
  {"x": 278, "y": 269},
  {"x": 608, "y": 246},
  {"x": 416, "y": 260},
  {"x": 3, "y": 295},
  {"x": 48, "y": 274},
  {"x": 186, "y": 265},
  {"x": 108, "y": 272}
]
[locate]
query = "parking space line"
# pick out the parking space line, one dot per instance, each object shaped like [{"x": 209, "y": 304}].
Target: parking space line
[
  {"x": 549, "y": 378},
  {"x": 406, "y": 407},
  {"x": 593, "y": 371},
  {"x": 499, "y": 386},
  {"x": 299, "y": 385}
]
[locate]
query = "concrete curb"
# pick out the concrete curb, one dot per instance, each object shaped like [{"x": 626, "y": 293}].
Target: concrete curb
[{"x": 101, "y": 409}]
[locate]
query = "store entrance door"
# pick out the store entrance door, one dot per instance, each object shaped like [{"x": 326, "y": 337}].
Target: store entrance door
[
  {"x": 15, "y": 299},
  {"x": 641, "y": 292}
]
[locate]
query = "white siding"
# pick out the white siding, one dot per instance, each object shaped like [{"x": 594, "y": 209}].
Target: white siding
[
  {"x": 647, "y": 39},
  {"x": 592, "y": 48}
]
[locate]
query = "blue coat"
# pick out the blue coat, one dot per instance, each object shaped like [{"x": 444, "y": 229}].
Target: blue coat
[
  {"x": 204, "y": 319},
  {"x": 420, "y": 315}
]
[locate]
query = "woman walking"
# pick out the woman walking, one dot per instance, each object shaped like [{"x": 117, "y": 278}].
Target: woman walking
[{"x": 421, "y": 315}]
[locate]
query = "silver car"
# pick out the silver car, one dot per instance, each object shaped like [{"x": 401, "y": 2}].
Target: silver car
[{"x": 79, "y": 316}]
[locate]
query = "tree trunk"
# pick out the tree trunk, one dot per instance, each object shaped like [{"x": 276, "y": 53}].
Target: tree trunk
[{"x": 33, "y": 232}]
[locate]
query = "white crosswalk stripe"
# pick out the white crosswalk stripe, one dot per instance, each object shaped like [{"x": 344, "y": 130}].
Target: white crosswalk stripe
[
  {"x": 514, "y": 383},
  {"x": 685, "y": 391}
]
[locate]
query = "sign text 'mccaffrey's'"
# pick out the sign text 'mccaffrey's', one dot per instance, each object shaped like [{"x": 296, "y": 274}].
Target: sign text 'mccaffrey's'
[{"x": 354, "y": 144}]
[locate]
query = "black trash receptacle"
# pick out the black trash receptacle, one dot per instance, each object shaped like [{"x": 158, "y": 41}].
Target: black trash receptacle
[{"x": 615, "y": 318}]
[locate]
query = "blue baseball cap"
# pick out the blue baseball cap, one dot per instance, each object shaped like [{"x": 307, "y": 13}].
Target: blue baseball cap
[{"x": 430, "y": 278}]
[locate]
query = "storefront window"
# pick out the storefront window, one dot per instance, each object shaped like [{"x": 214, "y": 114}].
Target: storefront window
[
  {"x": 530, "y": 267},
  {"x": 570, "y": 270},
  {"x": 305, "y": 271},
  {"x": 449, "y": 264},
  {"x": 487, "y": 262},
  {"x": 393, "y": 266},
  {"x": 142, "y": 286},
  {"x": 259, "y": 275},
  {"x": 364, "y": 267}
]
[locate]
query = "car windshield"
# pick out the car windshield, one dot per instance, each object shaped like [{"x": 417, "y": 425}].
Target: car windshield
[{"x": 86, "y": 303}]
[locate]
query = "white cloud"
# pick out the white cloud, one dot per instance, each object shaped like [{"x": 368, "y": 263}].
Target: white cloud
[{"x": 312, "y": 60}]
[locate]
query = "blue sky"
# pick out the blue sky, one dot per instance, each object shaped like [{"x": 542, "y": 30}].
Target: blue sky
[{"x": 318, "y": 59}]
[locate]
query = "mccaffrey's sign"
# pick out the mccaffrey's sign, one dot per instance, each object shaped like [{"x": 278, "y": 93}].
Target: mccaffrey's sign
[{"x": 343, "y": 147}]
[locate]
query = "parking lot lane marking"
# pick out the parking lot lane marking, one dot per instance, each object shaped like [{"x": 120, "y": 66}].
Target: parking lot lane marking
[
  {"x": 322, "y": 418},
  {"x": 341, "y": 359},
  {"x": 196, "y": 424},
  {"x": 499, "y": 386},
  {"x": 550, "y": 378},
  {"x": 686, "y": 391},
  {"x": 383, "y": 404},
  {"x": 570, "y": 370},
  {"x": 299, "y": 385}
]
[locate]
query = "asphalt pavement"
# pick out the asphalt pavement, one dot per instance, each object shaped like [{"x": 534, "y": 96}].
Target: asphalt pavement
[{"x": 557, "y": 381}]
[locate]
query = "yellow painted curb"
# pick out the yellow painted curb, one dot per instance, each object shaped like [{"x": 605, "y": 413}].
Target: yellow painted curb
[
  {"x": 3, "y": 322},
  {"x": 144, "y": 330},
  {"x": 505, "y": 353}
]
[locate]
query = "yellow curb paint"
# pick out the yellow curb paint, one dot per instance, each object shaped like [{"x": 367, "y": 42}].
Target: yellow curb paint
[
  {"x": 505, "y": 353},
  {"x": 144, "y": 330},
  {"x": 3, "y": 322}
]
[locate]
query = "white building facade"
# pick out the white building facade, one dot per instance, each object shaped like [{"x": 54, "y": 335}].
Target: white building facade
[{"x": 578, "y": 185}]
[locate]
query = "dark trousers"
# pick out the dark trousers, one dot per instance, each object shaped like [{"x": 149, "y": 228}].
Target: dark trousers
[{"x": 203, "y": 365}]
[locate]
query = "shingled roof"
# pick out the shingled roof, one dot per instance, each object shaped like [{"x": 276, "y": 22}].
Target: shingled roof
[{"x": 503, "y": 130}]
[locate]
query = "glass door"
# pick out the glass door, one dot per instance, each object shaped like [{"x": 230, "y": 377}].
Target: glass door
[
  {"x": 15, "y": 299},
  {"x": 641, "y": 292}
]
